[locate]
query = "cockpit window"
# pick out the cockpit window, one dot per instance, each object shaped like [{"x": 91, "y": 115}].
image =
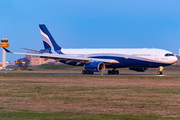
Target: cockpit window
[{"x": 169, "y": 54}]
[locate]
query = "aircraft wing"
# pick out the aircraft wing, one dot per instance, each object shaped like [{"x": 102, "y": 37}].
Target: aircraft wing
[
  {"x": 67, "y": 57},
  {"x": 31, "y": 50}
]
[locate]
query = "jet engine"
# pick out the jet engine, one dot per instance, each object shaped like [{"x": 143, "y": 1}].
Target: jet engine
[
  {"x": 95, "y": 66},
  {"x": 139, "y": 69}
]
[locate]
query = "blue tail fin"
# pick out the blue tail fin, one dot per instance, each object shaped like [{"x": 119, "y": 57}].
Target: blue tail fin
[{"x": 48, "y": 40}]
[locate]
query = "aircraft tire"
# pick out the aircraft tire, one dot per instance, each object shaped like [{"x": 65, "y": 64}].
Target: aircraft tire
[
  {"x": 91, "y": 72},
  {"x": 84, "y": 72},
  {"x": 109, "y": 72},
  {"x": 159, "y": 72},
  {"x": 88, "y": 72},
  {"x": 117, "y": 72},
  {"x": 113, "y": 72}
]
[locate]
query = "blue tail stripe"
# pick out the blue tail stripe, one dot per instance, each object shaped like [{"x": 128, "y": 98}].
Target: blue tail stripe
[
  {"x": 46, "y": 46},
  {"x": 46, "y": 31}
]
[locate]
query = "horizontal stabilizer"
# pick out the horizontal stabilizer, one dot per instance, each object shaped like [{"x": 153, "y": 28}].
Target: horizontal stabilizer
[{"x": 30, "y": 49}]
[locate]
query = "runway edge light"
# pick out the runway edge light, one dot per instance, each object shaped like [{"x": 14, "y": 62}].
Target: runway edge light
[{"x": 4, "y": 43}]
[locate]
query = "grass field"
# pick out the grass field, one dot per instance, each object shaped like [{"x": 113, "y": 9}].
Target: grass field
[
  {"x": 89, "y": 97},
  {"x": 51, "y": 68}
]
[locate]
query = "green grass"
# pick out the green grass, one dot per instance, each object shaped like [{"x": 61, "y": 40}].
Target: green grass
[
  {"x": 45, "y": 66},
  {"x": 85, "y": 97},
  {"x": 52, "y": 66},
  {"x": 30, "y": 115},
  {"x": 173, "y": 67}
]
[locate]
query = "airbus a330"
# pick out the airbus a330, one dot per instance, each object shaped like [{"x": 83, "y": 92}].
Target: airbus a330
[{"x": 97, "y": 60}]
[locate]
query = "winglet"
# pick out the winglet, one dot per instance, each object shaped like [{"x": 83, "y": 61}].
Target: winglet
[{"x": 7, "y": 50}]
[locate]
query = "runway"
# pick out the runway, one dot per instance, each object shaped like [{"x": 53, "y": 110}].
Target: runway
[{"x": 85, "y": 75}]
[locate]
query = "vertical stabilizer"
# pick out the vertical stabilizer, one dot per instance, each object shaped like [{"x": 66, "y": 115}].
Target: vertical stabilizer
[{"x": 48, "y": 40}]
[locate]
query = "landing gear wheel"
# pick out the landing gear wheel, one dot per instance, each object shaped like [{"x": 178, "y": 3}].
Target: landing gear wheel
[
  {"x": 113, "y": 71},
  {"x": 160, "y": 70},
  {"x": 117, "y": 72},
  {"x": 87, "y": 72},
  {"x": 109, "y": 72},
  {"x": 84, "y": 72},
  {"x": 159, "y": 73},
  {"x": 91, "y": 72}
]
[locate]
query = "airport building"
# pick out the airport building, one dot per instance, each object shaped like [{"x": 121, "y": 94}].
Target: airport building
[{"x": 36, "y": 60}]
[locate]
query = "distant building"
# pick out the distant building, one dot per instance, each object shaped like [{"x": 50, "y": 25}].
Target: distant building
[
  {"x": 36, "y": 60},
  {"x": 7, "y": 64}
]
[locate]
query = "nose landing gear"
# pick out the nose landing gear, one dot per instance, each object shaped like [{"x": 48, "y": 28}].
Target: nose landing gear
[{"x": 160, "y": 70}]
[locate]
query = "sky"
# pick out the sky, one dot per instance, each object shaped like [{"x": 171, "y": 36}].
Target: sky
[{"x": 91, "y": 24}]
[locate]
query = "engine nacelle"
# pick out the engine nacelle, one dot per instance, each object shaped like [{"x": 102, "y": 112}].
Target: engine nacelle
[
  {"x": 139, "y": 69},
  {"x": 95, "y": 66}
]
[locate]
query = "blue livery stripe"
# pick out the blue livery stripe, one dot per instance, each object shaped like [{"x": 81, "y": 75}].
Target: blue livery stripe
[{"x": 50, "y": 38}]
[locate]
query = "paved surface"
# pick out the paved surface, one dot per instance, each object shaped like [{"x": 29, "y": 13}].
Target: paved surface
[{"x": 88, "y": 74}]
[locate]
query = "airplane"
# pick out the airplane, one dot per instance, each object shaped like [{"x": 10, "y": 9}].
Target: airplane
[{"x": 97, "y": 60}]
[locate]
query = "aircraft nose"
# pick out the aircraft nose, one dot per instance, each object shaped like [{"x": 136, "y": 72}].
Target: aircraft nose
[{"x": 175, "y": 59}]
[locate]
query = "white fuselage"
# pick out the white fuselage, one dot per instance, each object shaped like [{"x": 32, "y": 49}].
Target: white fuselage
[{"x": 149, "y": 55}]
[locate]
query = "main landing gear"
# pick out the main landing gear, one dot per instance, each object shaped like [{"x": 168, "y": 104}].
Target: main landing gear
[
  {"x": 113, "y": 71},
  {"x": 160, "y": 70},
  {"x": 87, "y": 72}
]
